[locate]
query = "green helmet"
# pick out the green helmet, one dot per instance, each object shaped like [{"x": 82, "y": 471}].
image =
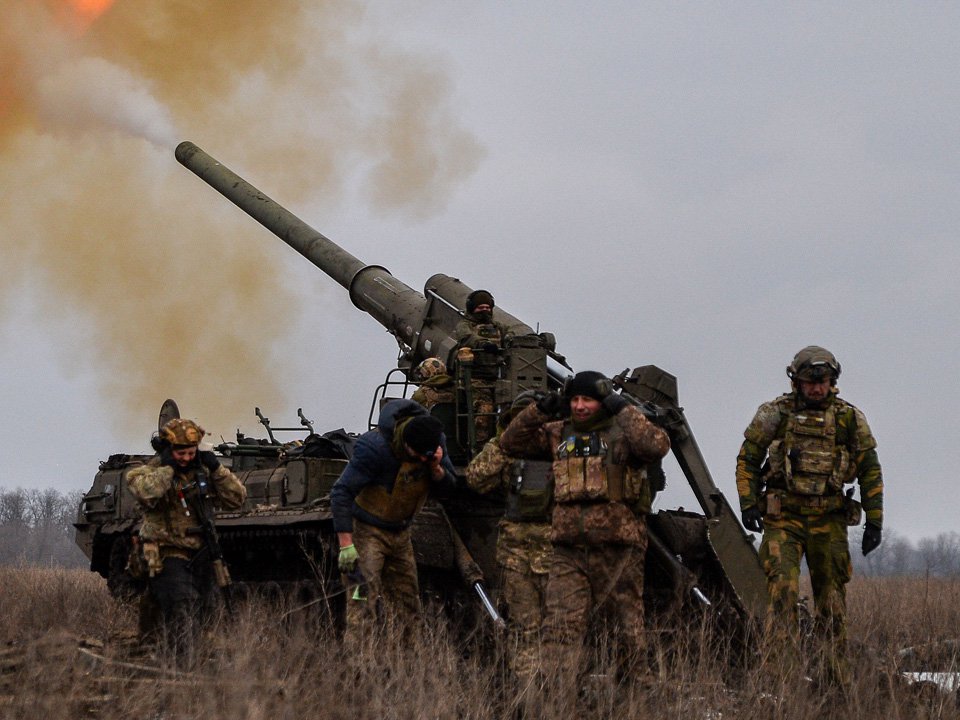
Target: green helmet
[{"x": 814, "y": 364}]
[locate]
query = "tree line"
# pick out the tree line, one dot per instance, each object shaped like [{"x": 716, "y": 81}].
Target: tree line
[
  {"x": 930, "y": 557},
  {"x": 36, "y": 528}
]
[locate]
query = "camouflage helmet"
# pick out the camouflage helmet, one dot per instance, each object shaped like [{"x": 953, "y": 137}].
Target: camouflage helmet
[
  {"x": 814, "y": 364},
  {"x": 431, "y": 367},
  {"x": 182, "y": 432}
]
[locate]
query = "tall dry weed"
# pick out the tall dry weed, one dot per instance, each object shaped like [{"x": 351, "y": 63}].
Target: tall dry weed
[{"x": 272, "y": 661}]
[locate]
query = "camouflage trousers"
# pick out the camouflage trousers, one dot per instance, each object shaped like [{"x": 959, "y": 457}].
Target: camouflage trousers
[
  {"x": 485, "y": 422},
  {"x": 822, "y": 538},
  {"x": 586, "y": 581},
  {"x": 524, "y": 592},
  {"x": 390, "y": 590}
]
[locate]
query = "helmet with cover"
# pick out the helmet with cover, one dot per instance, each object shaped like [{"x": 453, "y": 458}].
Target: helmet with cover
[
  {"x": 814, "y": 364},
  {"x": 181, "y": 433},
  {"x": 431, "y": 367}
]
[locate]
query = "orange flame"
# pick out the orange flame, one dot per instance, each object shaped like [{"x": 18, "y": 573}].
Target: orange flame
[{"x": 84, "y": 12}]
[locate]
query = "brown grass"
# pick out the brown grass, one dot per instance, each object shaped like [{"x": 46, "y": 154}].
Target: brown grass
[{"x": 260, "y": 665}]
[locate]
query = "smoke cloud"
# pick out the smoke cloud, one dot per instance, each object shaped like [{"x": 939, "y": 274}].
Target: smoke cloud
[{"x": 150, "y": 283}]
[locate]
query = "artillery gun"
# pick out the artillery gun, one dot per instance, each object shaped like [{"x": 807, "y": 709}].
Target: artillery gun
[{"x": 694, "y": 559}]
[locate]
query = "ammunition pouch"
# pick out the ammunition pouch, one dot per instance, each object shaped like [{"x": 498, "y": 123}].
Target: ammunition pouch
[
  {"x": 584, "y": 470},
  {"x": 773, "y": 502},
  {"x": 769, "y": 504},
  {"x": 221, "y": 573},
  {"x": 136, "y": 562},
  {"x": 151, "y": 557},
  {"x": 530, "y": 493}
]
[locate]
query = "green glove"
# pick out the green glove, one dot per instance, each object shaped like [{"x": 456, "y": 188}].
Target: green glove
[{"x": 347, "y": 560}]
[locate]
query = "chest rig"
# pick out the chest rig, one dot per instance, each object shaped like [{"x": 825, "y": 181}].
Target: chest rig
[
  {"x": 530, "y": 491},
  {"x": 808, "y": 460},
  {"x": 585, "y": 469},
  {"x": 485, "y": 361}
]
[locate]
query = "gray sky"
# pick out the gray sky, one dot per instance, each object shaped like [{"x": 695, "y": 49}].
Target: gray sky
[{"x": 704, "y": 187}]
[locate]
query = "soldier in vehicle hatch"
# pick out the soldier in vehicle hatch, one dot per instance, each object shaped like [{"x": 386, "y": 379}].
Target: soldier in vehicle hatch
[
  {"x": 180, "y": 575},
  {"x": 799, "y": 452},
  {"x": 600, "y": 445},
  {"x": 480, "y": 340},
  {"x": 523, "y": 542},
  {"x": 374, "y": 501}
]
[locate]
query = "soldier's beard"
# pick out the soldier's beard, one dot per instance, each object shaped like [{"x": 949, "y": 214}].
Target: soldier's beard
[
  {"x": 812, "y": 404},
  {"x": 483, "y": 317}
]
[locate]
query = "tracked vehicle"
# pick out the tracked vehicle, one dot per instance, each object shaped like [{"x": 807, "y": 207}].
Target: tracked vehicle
[{"x": 282, "y": 539}]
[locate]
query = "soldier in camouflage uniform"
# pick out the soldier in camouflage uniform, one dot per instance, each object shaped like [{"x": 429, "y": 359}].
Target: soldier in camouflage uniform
[
  {"x": 599, "y": 532},
  {"x": 484, "y": 338},
  {"x": 180, "y": 582},
  {"x": 373, "y": 503},
  {"x": 436, "y": 386},
  {"x": 814, "y": 443},
  {"x": 523, "y": 543}
]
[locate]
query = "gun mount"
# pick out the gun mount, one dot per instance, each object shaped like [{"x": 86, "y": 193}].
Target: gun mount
[{"x": 694, "y": 561}]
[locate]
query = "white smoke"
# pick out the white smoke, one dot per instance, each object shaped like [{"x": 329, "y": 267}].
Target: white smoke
[{"x": 90, "y": 94}]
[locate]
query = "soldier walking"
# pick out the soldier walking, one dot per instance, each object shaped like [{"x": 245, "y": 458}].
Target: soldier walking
[
  {"x": 374, "y": 501},
  {"x": 799, "y": 452},
  {"x": 599, "y": 531},
  {"x": 523, "y": 542},
  {"x": 180, "y": 582}
]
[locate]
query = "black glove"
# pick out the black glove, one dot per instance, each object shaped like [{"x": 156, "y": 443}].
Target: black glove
[
  {"x": 871, "y": 538},
  {"x": 166, "y": 458},
  {"x": 752, "y": 519},
  {"x": 208, "y": 460},
  {"x": 614, "y": 403},
  {"x": 550, "y": 404}
]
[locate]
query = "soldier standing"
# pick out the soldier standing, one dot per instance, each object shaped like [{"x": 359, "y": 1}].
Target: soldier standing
[
  {"x": 436, "y": 386},
  {"x": 484, "y": 338},
  {"x": 814, "y": 443},
  {"x": 523, "y": 543},
  {"x": 374, "y": 501},
  {"x": 601, "y": 499},
  {"x": 180, "y": 582}
]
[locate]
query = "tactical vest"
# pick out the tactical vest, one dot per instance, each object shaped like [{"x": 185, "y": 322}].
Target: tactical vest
[
  {"x": 485, "y": 362},
  {"x": 584, "y": 468},
  {"x": 530, "y": 491},
  {"x": 807, "y": 460},
  {"x": 401, "y": 503}
]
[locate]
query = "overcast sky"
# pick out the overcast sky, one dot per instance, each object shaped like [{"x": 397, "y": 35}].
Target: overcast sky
[{"x": 707, "y": 187}]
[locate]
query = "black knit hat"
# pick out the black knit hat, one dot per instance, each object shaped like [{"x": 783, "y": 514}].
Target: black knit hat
[
  {"x": 422, "y": 433},
  {"x": 479, "y": 297},
  {"x": 588, "y": 383}
]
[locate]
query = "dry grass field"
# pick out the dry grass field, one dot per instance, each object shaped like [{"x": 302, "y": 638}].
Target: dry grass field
[{"x": 67, "y": 653}]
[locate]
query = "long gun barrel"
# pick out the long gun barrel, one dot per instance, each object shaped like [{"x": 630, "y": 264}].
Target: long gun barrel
[{"x": 409, "y": 315}]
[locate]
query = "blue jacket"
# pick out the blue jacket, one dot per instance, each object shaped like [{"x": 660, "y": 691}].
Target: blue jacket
[{"x": 373, "y": 463}]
